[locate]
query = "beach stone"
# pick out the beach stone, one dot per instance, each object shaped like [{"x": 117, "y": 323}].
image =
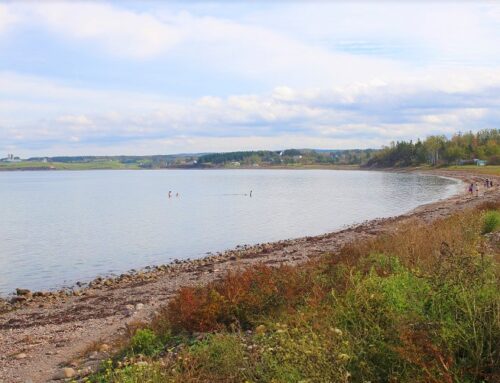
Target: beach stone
[
  {"x": 139, "y": 306},
  {"x": 18, "y": 299},
  {"x": 94, "y": 355},
  {"x": 65, "y": 373},
  {"x": 85, "y": 371},
  {"x": 21, "y": 355},
  {"x": 129, "y": 310},
  {"x": 23, "y": 292},
  {"x": 104, "y": 348}
]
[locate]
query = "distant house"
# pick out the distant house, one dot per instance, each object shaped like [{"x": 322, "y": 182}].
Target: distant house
[
  {"x": 475, "y": 161},
  {"x": 235, "y": 163}
]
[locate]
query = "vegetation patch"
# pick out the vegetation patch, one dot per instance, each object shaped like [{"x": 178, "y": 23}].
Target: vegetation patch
[
  {"x": 491, "y": 221},
  {"x": 418, "y": 305}
]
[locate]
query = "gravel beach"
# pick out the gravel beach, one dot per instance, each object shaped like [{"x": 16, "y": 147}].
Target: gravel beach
[{"x": 46, "y": 336}]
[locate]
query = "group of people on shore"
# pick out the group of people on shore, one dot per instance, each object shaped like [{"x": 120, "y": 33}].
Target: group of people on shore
[{"x": 474, "y": 187}]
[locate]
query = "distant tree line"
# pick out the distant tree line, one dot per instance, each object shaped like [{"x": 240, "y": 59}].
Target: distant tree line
[
  {"x": 439, "y": 150},
  {"x": 247, "y": 157},
  {"x": 287, "y": 157},
  {"x": 434, "y": 150}
]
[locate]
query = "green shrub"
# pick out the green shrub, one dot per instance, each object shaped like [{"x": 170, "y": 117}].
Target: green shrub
[
  {"x": 218, "y": 358},
  {"x": 373, "y": 310},
  {"x": 150, "y": 373},
  {"x": 491, "y": 221},
  {"x": 304, "y": 347},
  {"x": 465, "y": 306},
  {"x": 145, "y": 342}
]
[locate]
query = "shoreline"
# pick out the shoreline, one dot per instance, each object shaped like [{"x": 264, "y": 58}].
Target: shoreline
[
  {"x": 65, "y": 325},
  {"x": 266, "y": 167},
  {"x": 78, "y": 287}
]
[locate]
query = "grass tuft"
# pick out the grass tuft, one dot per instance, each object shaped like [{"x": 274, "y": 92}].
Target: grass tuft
[{"x": 491, "y": 221}]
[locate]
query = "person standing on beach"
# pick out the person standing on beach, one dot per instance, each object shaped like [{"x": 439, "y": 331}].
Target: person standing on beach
[
  {"x": 471, "y": 189},
  {"x": 251, "y": 191}
]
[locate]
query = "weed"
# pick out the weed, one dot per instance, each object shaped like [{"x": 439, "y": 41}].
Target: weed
[
  {"x": 145, "y": 342},
  {"x": 491, "y": 221}
]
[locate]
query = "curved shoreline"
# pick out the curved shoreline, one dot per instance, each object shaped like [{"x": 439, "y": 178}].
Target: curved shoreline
[
  {"x": 95, "y": 278},
  {"x": 64, "y": 326}
]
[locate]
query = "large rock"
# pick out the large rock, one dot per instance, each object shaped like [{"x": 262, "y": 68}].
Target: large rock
[
  {"x": 69, "y": 372},
  {"x": 65, "y": 373},
  {"x": 18, "y": 299},
  {"x": 104, "y": 348},
  {"x": 23, "y": 292}
]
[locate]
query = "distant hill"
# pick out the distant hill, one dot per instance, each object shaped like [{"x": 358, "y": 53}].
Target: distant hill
[{"x": 224, "y": 159}]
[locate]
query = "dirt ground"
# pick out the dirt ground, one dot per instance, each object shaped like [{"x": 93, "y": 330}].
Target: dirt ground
[{"x": 40, "y": 336}]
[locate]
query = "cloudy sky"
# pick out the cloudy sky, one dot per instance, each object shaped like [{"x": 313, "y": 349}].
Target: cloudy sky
[{"x": 164, "y": 77}]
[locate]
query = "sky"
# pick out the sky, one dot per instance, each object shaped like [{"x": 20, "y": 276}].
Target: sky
[{"x": 138, "y": 78}]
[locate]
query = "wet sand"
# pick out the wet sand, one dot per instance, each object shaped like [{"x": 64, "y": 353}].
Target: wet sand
[{"x": 45, "y": 332}]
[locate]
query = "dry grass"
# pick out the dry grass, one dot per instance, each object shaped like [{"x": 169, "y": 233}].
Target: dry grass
[{"x": 418, "y": 305}]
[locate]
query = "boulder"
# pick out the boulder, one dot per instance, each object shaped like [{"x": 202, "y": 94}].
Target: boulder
[
  {"x": 104, "y": 348},
  {"x": 23, "y": 292},
  {"x": 65, "y": 373},
  {"x": 18, "y": 299}
]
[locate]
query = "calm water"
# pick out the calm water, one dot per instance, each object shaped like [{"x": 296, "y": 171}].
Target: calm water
[{"x": 57, "y": 228}]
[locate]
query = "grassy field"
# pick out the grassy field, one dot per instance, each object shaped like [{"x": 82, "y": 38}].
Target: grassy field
[
  {"x": 29, "y": 165},
  {"x": 493, "y": 170},
  {"x": 420, "y": 305}
]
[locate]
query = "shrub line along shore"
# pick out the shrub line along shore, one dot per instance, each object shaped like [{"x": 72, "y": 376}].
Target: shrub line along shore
[{"x": 45, "y": 331}]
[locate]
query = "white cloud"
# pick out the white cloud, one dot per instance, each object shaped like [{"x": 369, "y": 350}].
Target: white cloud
[
  {"x": 336, "y": 75},
  {"x": 116, "y": 31},
  {"x": 7, "y": 18},
  {"x": 74, "y": 120},
  {"x": 222, "y": 45},
  {"x": 359, "y": 115}
]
